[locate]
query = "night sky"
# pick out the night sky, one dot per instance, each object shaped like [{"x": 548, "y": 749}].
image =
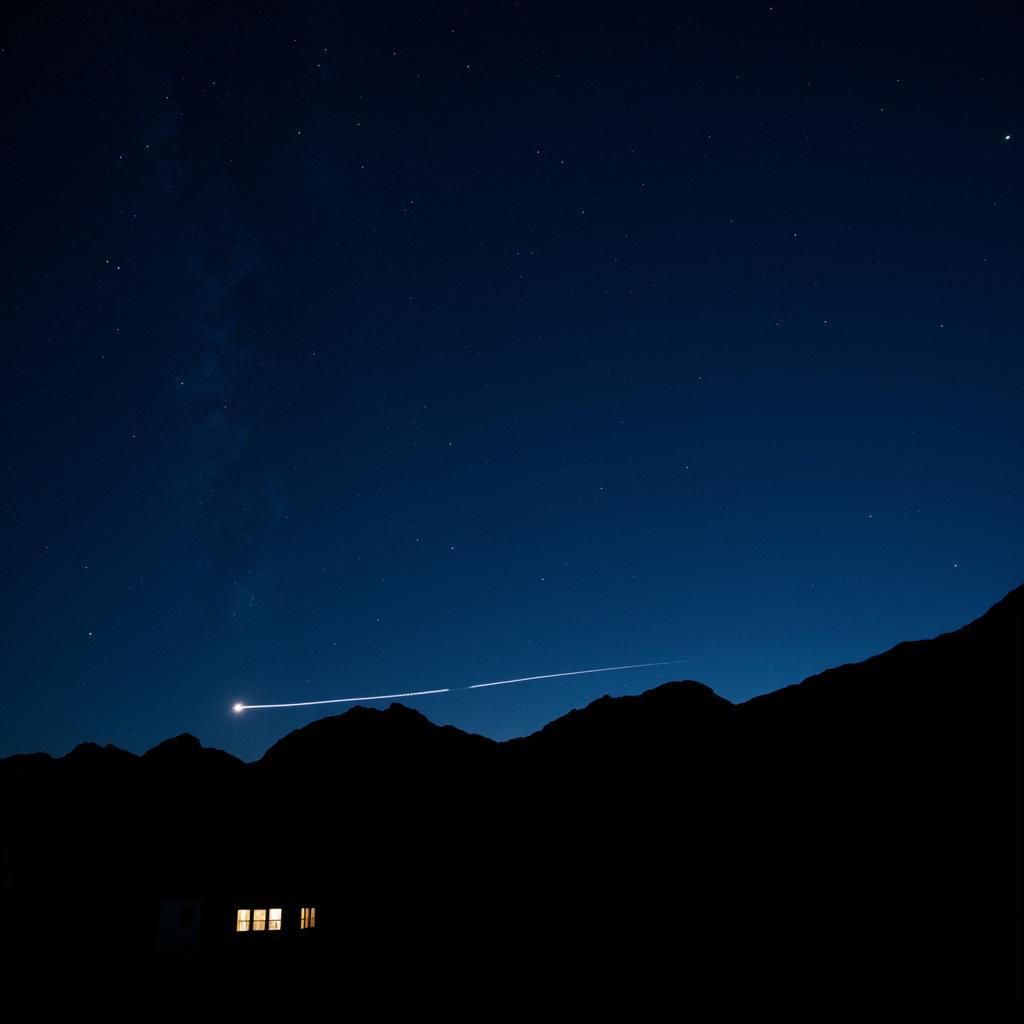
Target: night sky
[{"x": 355, "y": 348}]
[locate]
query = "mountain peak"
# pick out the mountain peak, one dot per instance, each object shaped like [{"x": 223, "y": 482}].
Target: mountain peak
[
  {"x": 186, "y": 751},
  {"x": 93, "y": 754},
  {"x": 184, "y": 745},
  {"x": 652, "y": 720},
  {"x": 394, "y": 733}
]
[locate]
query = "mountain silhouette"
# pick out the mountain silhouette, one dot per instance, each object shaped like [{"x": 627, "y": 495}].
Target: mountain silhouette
[
  {"x": 186, "y": 753},
  {"x": 397, "y": 737},
  {"x": 848, "y": 841}
]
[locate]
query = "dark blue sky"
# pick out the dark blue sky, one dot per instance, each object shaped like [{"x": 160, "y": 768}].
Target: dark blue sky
[{"x": 359, "y": 348}]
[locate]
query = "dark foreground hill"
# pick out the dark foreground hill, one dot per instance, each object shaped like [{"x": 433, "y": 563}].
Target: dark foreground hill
[{"x": 847, "y": 843}]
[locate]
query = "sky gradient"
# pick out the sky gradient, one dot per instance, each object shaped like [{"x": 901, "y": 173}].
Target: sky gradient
[{"x": 369, "y": 347}]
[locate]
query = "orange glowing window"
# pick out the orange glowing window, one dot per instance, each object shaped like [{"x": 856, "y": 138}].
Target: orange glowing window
[
  {"x": 308, "y": 917},
  {"x": 242, "y": 921},
  {"x": 259, "y": 920}
]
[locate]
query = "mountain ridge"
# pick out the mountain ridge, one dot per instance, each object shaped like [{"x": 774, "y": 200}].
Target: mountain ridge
[
  {"x": 853, "y": 833},
  {"x": 409, "y": 725}
]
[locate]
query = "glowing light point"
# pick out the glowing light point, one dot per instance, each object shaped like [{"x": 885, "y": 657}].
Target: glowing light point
[{"x": 238, "y": 708}]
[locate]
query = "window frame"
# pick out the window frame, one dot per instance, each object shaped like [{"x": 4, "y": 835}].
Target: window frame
[{"x": 259, "y": 919}]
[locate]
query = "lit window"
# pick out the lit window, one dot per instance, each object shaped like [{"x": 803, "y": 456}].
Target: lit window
[
  {"x": 259, "y": 920},
  {"x": 242, "y": 921},
  {"x": 308, "y": 919},
  {"x": 274, "y": 921}
]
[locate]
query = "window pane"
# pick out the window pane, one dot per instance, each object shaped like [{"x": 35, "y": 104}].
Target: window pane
[
  {"x": 242, "y": 921},
  {"x": 259, "y": 920},
  {"x": 275, "y": 919},
  {"x": 312, "y": 917}
]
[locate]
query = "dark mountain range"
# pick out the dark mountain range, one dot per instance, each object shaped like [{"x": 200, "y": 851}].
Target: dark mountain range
[
  {"x": 850, "y": 840},
  {"x": 398, "y": 737}
]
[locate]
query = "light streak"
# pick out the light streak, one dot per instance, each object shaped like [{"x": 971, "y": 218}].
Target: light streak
[
  {"x": 240, "y": 707},
  {"x": 581, "y": 672}
]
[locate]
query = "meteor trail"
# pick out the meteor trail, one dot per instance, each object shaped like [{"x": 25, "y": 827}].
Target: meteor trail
[
  {"x": 339, "y": 700},
  {"x": 580, "y": 672},
  {"x": 239, "y": 707}
]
